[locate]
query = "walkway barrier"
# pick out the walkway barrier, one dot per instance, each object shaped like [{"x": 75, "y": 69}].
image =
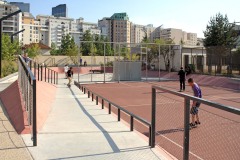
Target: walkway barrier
[
  {"x": 95, "y": 96},
  {"x": 217, "y": 137},
  {"x": 27, "y": 85},
  {"x": 43, "y": 73}
]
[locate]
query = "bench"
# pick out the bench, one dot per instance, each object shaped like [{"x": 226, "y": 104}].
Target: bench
[{"x": 96, "y": 70}]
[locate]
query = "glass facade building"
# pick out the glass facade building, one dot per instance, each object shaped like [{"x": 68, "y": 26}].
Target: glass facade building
[
  {"x": 25, "y": 7},
  {"x": 60, "y": 11}
]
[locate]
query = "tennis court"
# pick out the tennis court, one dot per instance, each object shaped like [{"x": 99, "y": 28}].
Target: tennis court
[{"x": 216, "y": 138}]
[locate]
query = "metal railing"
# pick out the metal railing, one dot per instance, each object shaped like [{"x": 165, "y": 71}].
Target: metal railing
[
  {"x": 187, "y": 99},
  {"x": 90, "y": 93},
  {"x": 27, "y": 85},
  {"x": 43, "y": 73}
]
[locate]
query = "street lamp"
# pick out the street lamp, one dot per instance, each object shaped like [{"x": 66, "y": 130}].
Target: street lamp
[
  {"x": 1, "y": 20},
  {"x": 14, "y": 34}
]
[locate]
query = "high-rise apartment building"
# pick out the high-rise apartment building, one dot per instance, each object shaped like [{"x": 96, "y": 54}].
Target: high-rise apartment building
[
  {"x": 105, "y": 27},
  {"x": 138, "y": 32},
  {"x": 25, "y": 7},
  {"x": 32, "y": 29},
  {"x": 176, "y": 35},
  {"x": 52, "y": 29},
  {"x": 117, "y": 27},
  {"x": 60, "y": 11},
  {"x": 172, "y": 34},
  {"x": 12, "y": 24},
  {"x": 120, "y": 28}
]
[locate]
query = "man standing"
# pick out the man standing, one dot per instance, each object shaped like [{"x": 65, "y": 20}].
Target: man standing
[
  {"x": 195, "y": 105},
  {"x": 66, "y": 70},
  {"x": 182, "y": 77},
  {"x": 69, "y": 76}
]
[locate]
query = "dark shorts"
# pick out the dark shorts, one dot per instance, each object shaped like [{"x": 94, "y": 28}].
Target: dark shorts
[{"x": 194, "y": 109}]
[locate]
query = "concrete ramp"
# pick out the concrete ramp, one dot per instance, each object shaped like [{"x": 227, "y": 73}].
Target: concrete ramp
[{"x": 12, "y": 102}]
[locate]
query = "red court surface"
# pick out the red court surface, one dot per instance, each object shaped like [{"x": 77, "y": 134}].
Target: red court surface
[{"x": 218, "y": 136}]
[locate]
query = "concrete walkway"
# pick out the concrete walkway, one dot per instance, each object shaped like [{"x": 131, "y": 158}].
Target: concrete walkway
[
  {"x": 78, "y": 129},
  {"x": 11, "y": 144}
]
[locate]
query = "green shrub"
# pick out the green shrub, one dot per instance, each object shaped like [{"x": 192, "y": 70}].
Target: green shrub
[{"x": 9, "y": 67}]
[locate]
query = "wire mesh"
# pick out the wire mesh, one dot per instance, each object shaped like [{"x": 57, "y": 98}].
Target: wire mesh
[{"x": 216, "y": 137}]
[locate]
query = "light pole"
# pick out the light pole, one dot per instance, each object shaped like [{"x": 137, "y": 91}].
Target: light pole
[
  {"x": 1, "y": 20},
  {"x": 14, "y": 34}
]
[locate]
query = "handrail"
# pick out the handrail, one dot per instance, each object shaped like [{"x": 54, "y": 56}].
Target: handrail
[
  {"x": 27, "y": 85},
  {"x": 51, "y": 77},
  {"x": 145, "y": 122},
  {"x": 204, "y": 101},
  {"x": 187, "y": 99}
]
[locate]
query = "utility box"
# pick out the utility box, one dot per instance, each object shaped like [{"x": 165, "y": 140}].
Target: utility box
[{"x": 127, "y": 71}]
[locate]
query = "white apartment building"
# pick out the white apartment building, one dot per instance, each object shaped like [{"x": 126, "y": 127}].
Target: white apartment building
[
  {"x": 177, "y": 35},
  {"x": 150, "y": 31},
  {"x": 12, "y": 24},
  {"x": 190, "y": 39},
  {"x": 105, "y": 27},
  {"x": 138, "y": 33},
  {"x": 54, "y": 28},
  {"x": 172, "y": 34},
  {"x": 32, "y": 29}
]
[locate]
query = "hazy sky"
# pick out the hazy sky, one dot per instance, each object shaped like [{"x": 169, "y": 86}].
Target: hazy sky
[{"x": 189, "y": 15}]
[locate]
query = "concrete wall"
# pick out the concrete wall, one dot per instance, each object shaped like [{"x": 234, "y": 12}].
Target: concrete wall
[{"x": 62, "y": 60}]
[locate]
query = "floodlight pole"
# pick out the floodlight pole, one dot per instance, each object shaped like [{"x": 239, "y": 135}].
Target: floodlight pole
[
  {"x": 1, "y": 20},
  {"x": 14, "y": 34}
]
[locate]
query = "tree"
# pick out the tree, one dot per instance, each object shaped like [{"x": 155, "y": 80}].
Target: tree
[
  {"x": 9, "y": 50},
  {"x": 69, "y": 48},
  {"x": 54, "y": 50},
  {"x": 33, "y": 50},
  {"x": 86, "y": 46},
  {"x": 66, "y": 44},
  {"x": 166, "y": 50},
  {"x": 219, "y": 39}
]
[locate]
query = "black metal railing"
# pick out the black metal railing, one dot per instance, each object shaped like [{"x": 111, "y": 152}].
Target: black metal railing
[
  {"x": 43, "y": 73},
  {"x": 157, "y": 90},
  {"x": 111, "y": 104},
  {"x": 27, "y": 85}
]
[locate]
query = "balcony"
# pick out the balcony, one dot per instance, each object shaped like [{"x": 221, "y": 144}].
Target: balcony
[{"x": 8, "y": 24}]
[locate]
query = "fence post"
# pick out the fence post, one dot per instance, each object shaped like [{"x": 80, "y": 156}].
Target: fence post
[
  {"x": 153, "y": 123},
  {"x": 131, "y": 123},
  {"x": 48, "y": 75},
  {"x": 35, "y": 66},
  {"x": 186, "y": 129},
  {"x": 96, "y": 100},
  {"x": 92, "y": 97},
  {"x": 34, "y": 124},
  {"x": 57, "y": 79},
  {"x": 51, "y": 76},
  {"x": 109, "y": 108},
  {"x": 102, "y": 104},
  {"x": 88, "y": 94},
  {"x": 38, "y": 71},
  {"x": 41, "y": 72},
  {"x": 150, "y": 135},
  {"x": 45, "y": 74},
  {"x": 54, "y": 77},
  {"x": 119, "y": 111},
  {"x": 30, "y": 64}
]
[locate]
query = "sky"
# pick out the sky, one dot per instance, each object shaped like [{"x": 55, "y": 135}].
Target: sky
[{"x": 189, "y": 15}]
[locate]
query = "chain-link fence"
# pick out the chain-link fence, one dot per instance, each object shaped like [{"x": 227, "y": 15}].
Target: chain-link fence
[
  {"x": 213, "y": 60},
  {"x": 127, "y": 61},
  {"x": 27, "y": 85},
  {"x": 217, "y": 137}
]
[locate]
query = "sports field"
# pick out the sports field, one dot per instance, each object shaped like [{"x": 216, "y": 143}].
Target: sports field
[{"x": 216, "y": 138}]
